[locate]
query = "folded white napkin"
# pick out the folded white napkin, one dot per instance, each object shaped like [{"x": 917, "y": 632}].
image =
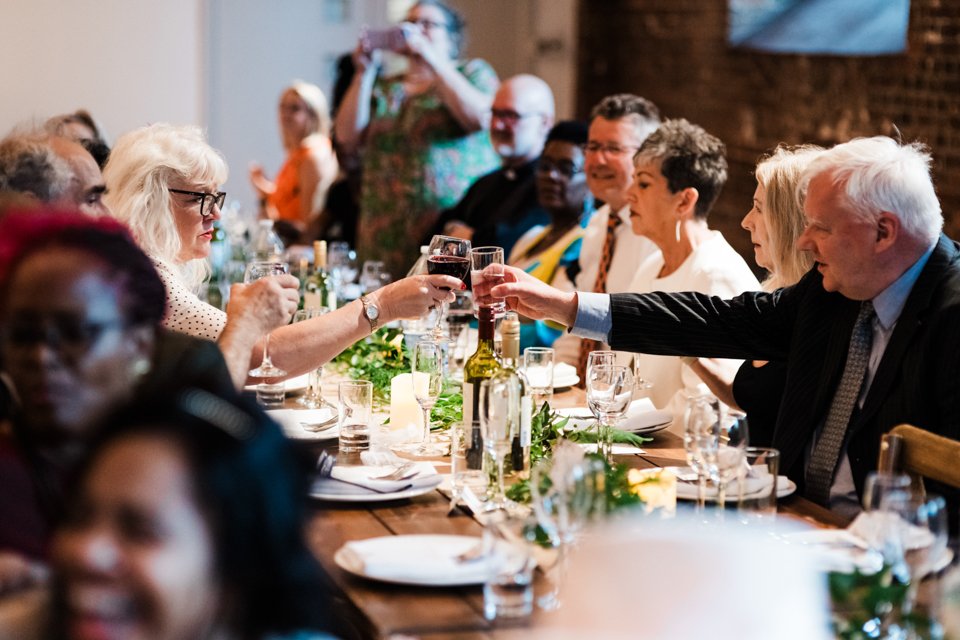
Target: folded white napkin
[
  {"x": 875, "y": 527},
  {"x": 416, "y": 558},
  {"x": 426, "y": 474},
  {"x": 617, "y": 449}
]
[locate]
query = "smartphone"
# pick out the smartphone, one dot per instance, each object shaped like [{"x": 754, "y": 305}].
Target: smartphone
[{"x": 391, "y": 39}]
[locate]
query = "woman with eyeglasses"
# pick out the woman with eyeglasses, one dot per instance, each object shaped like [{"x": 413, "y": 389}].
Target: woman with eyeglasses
[
  {"x": 298, "y": 196},
  {"x": 186, "y": 521},
  {"x": 418, "y": 120},
  {"x": 546, "y": 252},
  {"x": 164, "y": 182},
  {"x": 80, "y": 312}
]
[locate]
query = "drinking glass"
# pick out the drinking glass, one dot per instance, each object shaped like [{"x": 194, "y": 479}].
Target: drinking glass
[
  {"x": 462, "y": 476},
  {"x": 508, "y": 541},
  {"x": 538, "y": 367},
  {"x": 270, "y": 395},
  {"x": 255, "y": 271},
  {"x": 499, "y": 425},
  {"x": 700, "y": 416},
  {"x": 609, "y": 393},
  {"x": 342, "y": 266},
  {"x": 371, "y": 276},
  {"x": 427, "y": 369},
  {"x": 601, "y": 357},
  {"x": 486, "y": 272},
  {"x": 356, "y": 410},
  {"x": 726, "y": 462},
  {"x": 313, "y": 398},
  {"x": 448, "y": 256},
  {"x": 879, "y": 483},
  {"x": 758, "y": 484}
]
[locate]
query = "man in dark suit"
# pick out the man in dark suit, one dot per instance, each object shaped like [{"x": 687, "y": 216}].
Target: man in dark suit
[{"x": 884, "y": 293}]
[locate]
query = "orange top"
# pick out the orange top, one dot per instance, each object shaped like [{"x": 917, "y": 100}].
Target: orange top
[{"x": 286, "y": 198}]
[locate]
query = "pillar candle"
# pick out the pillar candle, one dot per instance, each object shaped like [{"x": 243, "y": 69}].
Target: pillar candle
[{"x": 405, "y": 412}]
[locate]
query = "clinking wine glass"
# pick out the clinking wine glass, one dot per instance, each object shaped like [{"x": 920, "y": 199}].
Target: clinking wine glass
[
  {"x": 700, "y": 417},
  {"x": 726, "y": 461},
  {"x": 499, "y": 424},
  {"x": 427, "y": 369},
  {"x": 313, "y": 398},
  {"x": 448, "y": 256},
  {"x": 256, "y": 271},
  {"x": 609, "y": 393}
]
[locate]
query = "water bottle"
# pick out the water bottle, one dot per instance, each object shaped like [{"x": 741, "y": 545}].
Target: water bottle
[{"x": 266, "y": 245}]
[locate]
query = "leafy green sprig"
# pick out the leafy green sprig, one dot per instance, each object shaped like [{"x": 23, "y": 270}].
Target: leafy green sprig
[{"x": 378, "y": 358}]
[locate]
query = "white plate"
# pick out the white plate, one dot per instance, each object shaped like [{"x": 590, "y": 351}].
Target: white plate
[
  {"x": 422, "y": 560},
  {"x": 290, "y": 419},
  {"x": 292, "y": 387},
  {"x": 565, "y": 381},
  {"x": 363, "y": 496},
  {"x": 637, "y": 420},
  {"x": 688, "y": 490}
]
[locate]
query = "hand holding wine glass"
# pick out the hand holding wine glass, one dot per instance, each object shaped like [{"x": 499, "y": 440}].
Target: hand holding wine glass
[
  {"x": 448, "y": 256},
  {"x": 256, "y": 271}
]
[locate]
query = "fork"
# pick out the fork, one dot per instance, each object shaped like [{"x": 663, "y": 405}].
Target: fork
[{"x": 400, "y": 473}]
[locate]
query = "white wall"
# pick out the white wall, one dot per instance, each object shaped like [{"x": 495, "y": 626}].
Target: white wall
[{"x": 130, "y": 62}]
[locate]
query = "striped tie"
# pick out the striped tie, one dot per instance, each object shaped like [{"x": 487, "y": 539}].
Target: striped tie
[
  {"x": 599, "y": 286},
  {"x": 826, "y": 451}
]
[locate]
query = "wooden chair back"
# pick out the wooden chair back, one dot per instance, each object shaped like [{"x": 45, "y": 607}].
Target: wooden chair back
[{"x": 911, "y": 450}]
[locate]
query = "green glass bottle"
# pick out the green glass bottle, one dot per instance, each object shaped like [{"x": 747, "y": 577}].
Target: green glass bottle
[
  {"x": 478, "y": 367},
  {"x": 517, "y": 462}
]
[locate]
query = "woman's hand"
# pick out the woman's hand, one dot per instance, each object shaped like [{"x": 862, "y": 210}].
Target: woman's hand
[
  {"x": 261, "y": 184},
  {"x": 412, "y": 297},
  {"x": 420, "y": 46},
  {"x": 365, "y": 58},
  {"x": 264, "y": 305}
]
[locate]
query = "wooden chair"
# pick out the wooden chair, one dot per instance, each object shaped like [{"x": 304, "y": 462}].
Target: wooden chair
[{"x": 920, "y": 453}]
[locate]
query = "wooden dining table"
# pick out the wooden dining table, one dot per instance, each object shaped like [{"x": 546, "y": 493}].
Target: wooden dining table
[{"x": 373, "y": 609}]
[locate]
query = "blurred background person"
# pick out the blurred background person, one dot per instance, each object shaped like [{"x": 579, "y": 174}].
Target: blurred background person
[
  {"x": 547, "y": 251},
  {"x": 297, "y": 198},
  {"x": 610, "y": 252},
  {"x": 53, "y": 170},
  {"x": 679, "y": 171},
  {"x": 502, "y": 205},
  {"x": 80, "y": 127},
  {"x": 775, "y": 222},
  {"x": 421, "y": 134},
  {"x": 164, "y": 183},
  {"x": 90, "y": 343}
]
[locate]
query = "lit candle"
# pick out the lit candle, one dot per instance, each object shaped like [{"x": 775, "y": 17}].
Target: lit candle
[{"x": 405, "y": 412}]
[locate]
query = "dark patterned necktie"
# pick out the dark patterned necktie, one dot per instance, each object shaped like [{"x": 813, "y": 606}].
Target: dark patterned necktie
[
  {"x": 826, "y": 451},
  {"x": 599, "y": 286}
]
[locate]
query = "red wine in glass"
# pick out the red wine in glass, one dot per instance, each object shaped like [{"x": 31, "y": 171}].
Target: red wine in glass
[{"x": 455, "y": 266}]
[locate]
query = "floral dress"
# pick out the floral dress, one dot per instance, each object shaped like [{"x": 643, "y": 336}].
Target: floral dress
[{"x": 417, "y": 161}]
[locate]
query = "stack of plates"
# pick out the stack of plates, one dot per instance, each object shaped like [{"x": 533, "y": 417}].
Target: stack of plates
[{"x": 564, "y": 376}]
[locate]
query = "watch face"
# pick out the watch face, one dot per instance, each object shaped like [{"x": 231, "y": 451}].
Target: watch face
[{"x": 373, "y": 312}]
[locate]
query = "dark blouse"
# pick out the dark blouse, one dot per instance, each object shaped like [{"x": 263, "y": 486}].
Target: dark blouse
[{"x": 758, "y": 391}]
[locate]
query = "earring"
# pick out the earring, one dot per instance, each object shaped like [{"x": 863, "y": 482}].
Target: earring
[
  {"x": 678, "y": 231},
  {"x": 141, "y": 367}
]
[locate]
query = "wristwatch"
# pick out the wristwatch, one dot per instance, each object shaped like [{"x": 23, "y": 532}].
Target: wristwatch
[{"x": 371, "y": 312}]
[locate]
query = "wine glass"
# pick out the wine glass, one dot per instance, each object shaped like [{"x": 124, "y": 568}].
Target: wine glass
[
  {"x": 256, "y": 271},
  {"x": 609, "y": 392},
  {"x": 701, "y": 414},
  {"x": 600, "y": 357},
  {"x": 427, "y": 369},
  {"x": 879, "y": 483},
  {"x": 726, "y": 461},
  {"x": 313, "y": 398},
  {"x": 447, "y": 255},
  {"x": 499, "y": 424}
]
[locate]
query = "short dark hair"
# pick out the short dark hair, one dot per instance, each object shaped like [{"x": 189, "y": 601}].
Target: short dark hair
[
  {"x": 621, "y": 105},
  {"x": 28, "y": 164},
  {"x": 24, "y": 233},
  {"x": 572, "y": 131},
  {"x": 251, "y": 484},
  {"x": 689, "y": 157}
]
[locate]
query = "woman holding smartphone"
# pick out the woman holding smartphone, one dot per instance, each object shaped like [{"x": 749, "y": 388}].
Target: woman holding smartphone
[{"x": 421, "y": 134}]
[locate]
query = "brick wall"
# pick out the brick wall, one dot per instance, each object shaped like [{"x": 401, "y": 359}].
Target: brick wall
[{"x": 674, "y": 52}]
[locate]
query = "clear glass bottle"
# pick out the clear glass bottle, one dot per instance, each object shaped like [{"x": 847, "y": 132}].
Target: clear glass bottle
[
  {"x": 319, "y": 290},
  {"x": 478, "y": 367},
  {"x": 517, "y": 466},
  {"x": 266, "y": 245}
]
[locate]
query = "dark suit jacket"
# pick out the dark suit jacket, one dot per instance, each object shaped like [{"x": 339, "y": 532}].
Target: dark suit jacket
[{"x": 917, "y": 382}]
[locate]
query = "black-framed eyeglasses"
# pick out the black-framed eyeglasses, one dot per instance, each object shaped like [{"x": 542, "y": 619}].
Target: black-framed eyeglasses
[
  {"x": 66, "y": 334},
  {"x": 564, "y": 168},
  {"x": 510, "y": 117},
  {"x": 215, "y": 199},
  {"x": 427, "y": 24},
  {"x": 611, "y": 149}
]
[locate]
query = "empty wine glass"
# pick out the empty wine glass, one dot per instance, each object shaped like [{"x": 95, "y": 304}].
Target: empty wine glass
[
  {"x": 256, "y": 271},
  {"x": 427, "y": 369},
  {"x": 447, "y": 255},
  {"x": 726, "y": 462},
  {"x": 499, "y": 424},
  {"x": 313, "y": 398},
  {"x": 701, "y": 414},
  {"x": 609, "y": 392}
]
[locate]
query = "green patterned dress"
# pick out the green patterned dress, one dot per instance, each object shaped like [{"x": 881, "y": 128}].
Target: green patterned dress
[{"x": 417, "y": 161}]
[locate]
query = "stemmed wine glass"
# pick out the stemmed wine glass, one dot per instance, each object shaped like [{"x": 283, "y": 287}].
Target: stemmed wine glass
[
  {"x": 499, "y": 424},
  {"x": 427, "y": 369},
  {"x": 313, "y": 398},
  {"x": 609, "y": 392},
  {"x": 448, "y": 256},
  {"x": 726, "y": 461},
  {"x": 701, "y": 414},
  {"x": 255, "y": 271}
]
